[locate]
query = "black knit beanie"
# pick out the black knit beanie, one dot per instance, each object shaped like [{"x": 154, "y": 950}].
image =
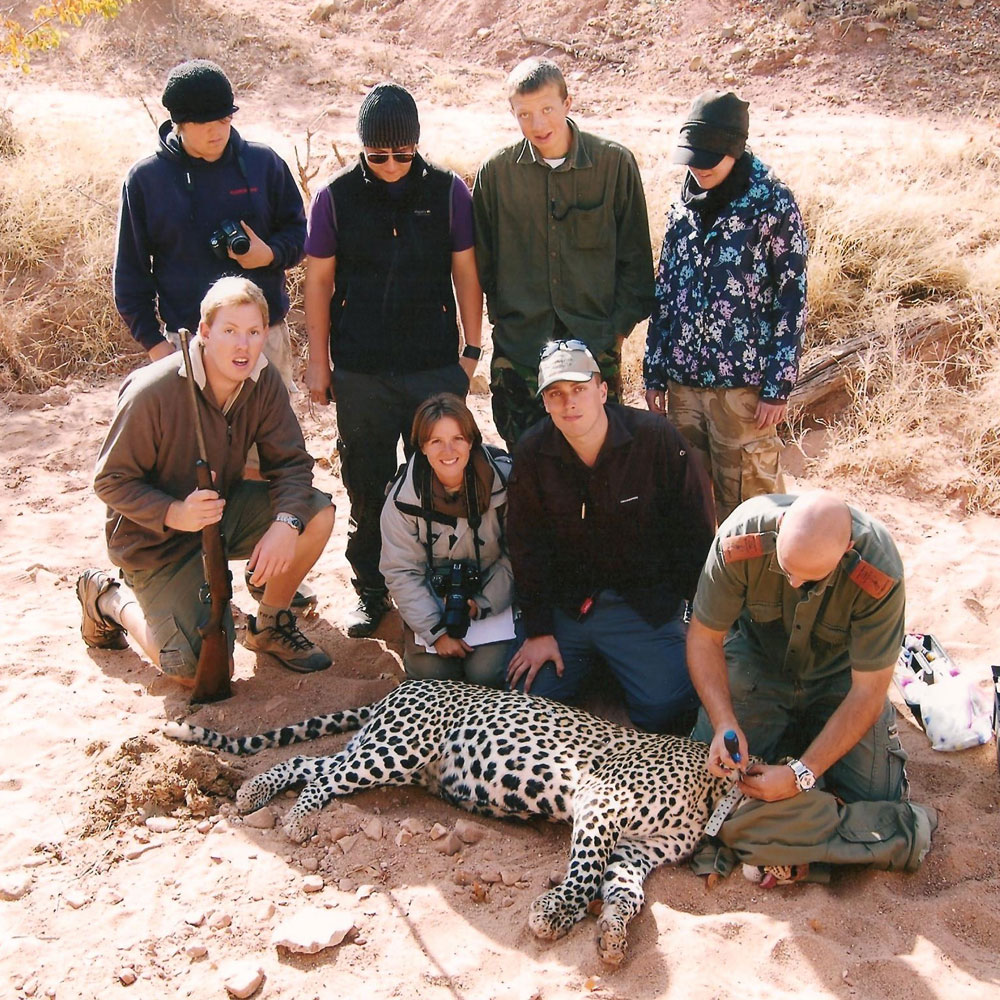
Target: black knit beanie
[
  {"x": 717, "y": 125},
  {"x": 388, "y": 118},
  {"x": 198, "y": 91}
]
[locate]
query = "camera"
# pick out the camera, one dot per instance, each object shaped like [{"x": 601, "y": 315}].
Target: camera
[
  {"x": 229, "y": 236},
  {"x": 456, "y": 585}
]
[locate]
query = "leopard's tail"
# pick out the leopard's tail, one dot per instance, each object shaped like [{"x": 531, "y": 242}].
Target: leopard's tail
[{"x": 309, "y": 729}]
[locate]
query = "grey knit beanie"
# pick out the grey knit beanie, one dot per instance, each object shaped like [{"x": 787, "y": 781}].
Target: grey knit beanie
[
  {"x": 388, "y": 118},
  {"x": 198, "y": 91}
]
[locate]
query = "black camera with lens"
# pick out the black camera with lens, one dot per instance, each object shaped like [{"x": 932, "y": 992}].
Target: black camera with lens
[
  {"x": 229, "y": 236},
  {"x": 456, "y": 585}
]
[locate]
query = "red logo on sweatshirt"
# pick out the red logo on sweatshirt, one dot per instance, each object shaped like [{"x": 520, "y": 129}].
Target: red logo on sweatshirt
[{"x": 237, "y": 191}]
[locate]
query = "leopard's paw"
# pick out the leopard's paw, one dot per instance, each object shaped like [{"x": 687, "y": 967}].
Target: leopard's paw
[{"x": 254, "y": 793}]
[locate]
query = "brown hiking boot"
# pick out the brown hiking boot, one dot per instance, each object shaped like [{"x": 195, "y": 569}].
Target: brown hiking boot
[
  {"x": 98, "y": 632},
  {"x": 286, "y": 643}
]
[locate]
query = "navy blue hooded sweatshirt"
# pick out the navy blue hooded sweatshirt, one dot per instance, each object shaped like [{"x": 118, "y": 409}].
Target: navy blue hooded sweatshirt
[{"x": 172, "y": 203}]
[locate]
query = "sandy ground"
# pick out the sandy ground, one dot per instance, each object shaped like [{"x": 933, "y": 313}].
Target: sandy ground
[{"x": 123, "y": 867}]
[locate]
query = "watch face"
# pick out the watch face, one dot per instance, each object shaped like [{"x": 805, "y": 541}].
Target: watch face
[{"x": 804, "y": 778}]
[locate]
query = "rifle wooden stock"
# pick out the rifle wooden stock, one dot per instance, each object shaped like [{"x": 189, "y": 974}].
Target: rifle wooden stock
[{"x": 211, "y": 678}]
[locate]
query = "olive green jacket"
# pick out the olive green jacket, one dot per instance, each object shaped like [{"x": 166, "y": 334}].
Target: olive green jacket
[{"x": 570, "y": 243}]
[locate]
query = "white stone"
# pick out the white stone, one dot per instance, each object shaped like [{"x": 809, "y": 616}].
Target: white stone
[
  {"x": 403, "y": 837},
  {"x": 469, "y": 832},
  {"x": 364, "y": 891},
  {"x": 195, "y": 919},
  {"x": 219, "y": 920},
  {"x": 204, "y": 826},
  {"x": 312, "y": 930},
  {"x": 373, "y": 829},
  {"x": 162, "y": 824},
  {"x": 449, "y": 845},
  {"x": 243, "y": 979},
  {"x": 262, "y": 819},
  {"x": 346, "y": 843},
  {"x": 76, "y": 898},
  {"x": 509, "y": 877},
  {"x": 313, "y": 883},
  {"x": 14, "y": 885},
  {"x": 196, "y": 950},
  {"x": 413, "y": 825},
  {"x": 438, "y": 831}
]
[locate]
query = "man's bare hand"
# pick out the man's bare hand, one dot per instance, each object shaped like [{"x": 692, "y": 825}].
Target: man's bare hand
[
  {"x": 319, "y": 382},
  {"x": 656, "y": 400},
  {"x": 531, "y": 657},
  {"x": 769, "y": 414},
  {"x": 769, "y": 782},
  {"x": 197, "y": 510},
  {"x": 259, "y": 254},
  {"x": 273, "y": 554}
]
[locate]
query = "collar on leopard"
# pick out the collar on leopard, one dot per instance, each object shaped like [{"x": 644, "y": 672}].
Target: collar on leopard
[{"x": 726, "y": 805}]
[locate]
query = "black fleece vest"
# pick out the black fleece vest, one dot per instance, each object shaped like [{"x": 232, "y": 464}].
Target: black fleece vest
[{"x": 393, "y": 310}]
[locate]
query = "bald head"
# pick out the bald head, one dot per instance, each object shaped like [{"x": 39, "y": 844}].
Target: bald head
[{"x": 815, "y": 533}]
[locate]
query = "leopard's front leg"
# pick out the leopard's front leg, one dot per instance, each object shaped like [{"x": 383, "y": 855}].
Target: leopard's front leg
[
  {"x": 623, "y": 895},
  {"x": 596, "y": 828},
  {"x": 261, "y": 788}
]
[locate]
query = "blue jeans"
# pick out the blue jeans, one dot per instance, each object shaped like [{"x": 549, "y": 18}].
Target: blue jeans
[{"x": 647, "y": 662}]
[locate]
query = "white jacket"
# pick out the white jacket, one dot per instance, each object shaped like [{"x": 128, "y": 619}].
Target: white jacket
[{"x": 404, "y": 551}]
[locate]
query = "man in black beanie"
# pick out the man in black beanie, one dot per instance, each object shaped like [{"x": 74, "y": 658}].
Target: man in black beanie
[
  {"x": 388, "y": 237},
  {"x": 723, "y": 345},
  {"x": 176, "y": 202}
]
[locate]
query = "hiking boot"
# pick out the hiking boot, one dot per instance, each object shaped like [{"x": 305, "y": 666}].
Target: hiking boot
[
  {"x": 98, "y": 632},
  {"x": 371, "y": 607},
  {"x": 286, "y": 643},
  {"x": 305, "y": 596}
]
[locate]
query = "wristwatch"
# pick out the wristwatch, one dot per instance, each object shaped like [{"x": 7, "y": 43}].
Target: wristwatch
[
  {"x": 804, "y": 778},
  {"x": 291, "y": 519},
  {"x": 472, "y": 352}
]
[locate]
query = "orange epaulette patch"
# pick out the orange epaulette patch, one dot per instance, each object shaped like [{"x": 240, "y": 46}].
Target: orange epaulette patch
[
  {"x": 736, "y": 548},
  {"x": 871, "y": 579}
]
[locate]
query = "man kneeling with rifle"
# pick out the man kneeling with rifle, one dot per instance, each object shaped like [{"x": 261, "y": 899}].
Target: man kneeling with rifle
[{"x": 163, "y": 436}]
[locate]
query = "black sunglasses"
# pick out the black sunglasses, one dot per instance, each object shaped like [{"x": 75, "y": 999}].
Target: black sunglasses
[{"x": 380, "y": 158}]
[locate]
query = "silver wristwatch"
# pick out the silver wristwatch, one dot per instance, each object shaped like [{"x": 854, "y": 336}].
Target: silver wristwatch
[
  {"x": 804, "y": 778},
  {"x": 291, "y": 519}
]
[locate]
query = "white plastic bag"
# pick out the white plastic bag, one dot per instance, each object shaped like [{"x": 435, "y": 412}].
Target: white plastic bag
[{"x": 956, "y": 712}]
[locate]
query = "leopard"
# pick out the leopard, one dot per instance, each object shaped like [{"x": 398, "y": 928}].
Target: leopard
[{"x": 636, "y": 800}]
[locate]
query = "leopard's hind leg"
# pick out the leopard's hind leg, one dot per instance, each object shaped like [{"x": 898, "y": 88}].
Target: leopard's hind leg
[
  {"x": 596, "y": 828},
  {"x": 623, "y": 895}
]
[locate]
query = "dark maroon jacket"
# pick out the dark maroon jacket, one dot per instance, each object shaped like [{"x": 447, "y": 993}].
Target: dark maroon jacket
[{"x": 640, "y": 522}]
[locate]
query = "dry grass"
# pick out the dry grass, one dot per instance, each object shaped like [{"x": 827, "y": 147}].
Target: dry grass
[{"x": 58, "y": 203}]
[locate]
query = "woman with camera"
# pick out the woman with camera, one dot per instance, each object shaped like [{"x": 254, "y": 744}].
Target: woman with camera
[{"x": 444, "y": 553}]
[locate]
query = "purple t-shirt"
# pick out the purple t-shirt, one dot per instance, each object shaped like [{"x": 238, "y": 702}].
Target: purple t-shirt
[{"x": 321, "y": 236}]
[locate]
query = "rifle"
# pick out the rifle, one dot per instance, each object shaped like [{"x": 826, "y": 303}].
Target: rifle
[{"x": 211, "y": 678}]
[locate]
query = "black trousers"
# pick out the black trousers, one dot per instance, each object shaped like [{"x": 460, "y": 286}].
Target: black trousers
[{"x": 373, "y": 413}]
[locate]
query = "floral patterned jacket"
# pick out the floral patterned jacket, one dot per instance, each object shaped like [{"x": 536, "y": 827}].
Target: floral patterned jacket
[{"x": 731, "y": 301}]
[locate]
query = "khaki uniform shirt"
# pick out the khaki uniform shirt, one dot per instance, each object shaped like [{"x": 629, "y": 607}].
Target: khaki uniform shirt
[
  {"x": 851, "y": 620},
  {"x": 568, "y": 243}
]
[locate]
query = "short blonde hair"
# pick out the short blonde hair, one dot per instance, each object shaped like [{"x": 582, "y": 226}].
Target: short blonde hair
[
  {"x": 532, "y": 74},
  {"x": 233, "y": 291}
]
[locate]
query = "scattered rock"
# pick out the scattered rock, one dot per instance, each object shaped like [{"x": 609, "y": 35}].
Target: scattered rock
[
  {"x": 438, "y": 831},
  {"x": 323, "y": 11},
  {"x": 196, "y": 950},
  {"x": 195, "y": 919},
  {"x": 313, "y": 883},
  {"x": 312, "y": 930},
  {"x": 363, "y": 892},
  {"x": 966, "y": 4},
  {"x": 413, "y": 825},
  {"x": 162, "y": 824},
  {"x": 310, "y": 864},
  {"x": 346, "y": 843},
  {"x": 484, "y": 33},
  {"x": 738, "y": 53},
  {"x": 264, "y": 912},
  {"x": 462, "y": 877},
  {"x": 204, "y": 826},
  {"x": 374, "y": 829},
  {"x": 728, "y": 31},
  {"x": 14, "y": 886},
  {"x": 336, "y": 833},
  {"x": 347, "y": 885},
  {"x": 508, "y": 877},
  {"x": 403, "y": 837},
  {"x": 696, "y": 63},
  {"x": 491, "y": 876},
  {"x": 449, "y": 844},
  {"x": 75, "y": 898},
  {"x": 469, "y": 832},
  {"x": 262, "y": 819},
  {"x": 925, "y": 23},
  {"x": 126, "y": 976},
  {"x": 243, "y": 979},
  {"x": 219, "y": 920}
]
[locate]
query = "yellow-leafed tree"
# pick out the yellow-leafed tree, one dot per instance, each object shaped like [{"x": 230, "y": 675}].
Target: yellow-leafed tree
[{"x": 18, "y": 40}]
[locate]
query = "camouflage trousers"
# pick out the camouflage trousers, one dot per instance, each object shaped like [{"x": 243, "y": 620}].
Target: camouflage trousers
[
  {"x": 741, "y": 460},
  {"x": 514, "y": 387}
]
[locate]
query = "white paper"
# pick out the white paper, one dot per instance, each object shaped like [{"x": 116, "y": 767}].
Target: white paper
[{"x": 493, "y": 628}]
